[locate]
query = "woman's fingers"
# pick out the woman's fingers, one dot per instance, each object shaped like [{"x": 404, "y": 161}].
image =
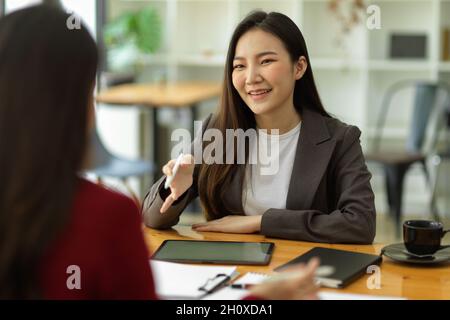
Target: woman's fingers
[
  {"x": 307, "y": 294},
  {"x": 167, "y": 168},
  {"x": 207, "y": 224},
  {"x": 187, "y": 159},
  {"x": 206, "y": 227},
  {"x": 312, "y": 266},
  {"x": 202, "y": 226},
  {"x": 313, "y": 296},
  {"x": 287, "y": 286},
  {"x": 300, "y": 280},
  {"x": 173, "y": 196},
  {"x": 167, "y": 203},
  {"x": 303, "y": 269},
  {"x": 308, "y": 287},
  {"x": 306, "y": 273},
  {"x": 167, "y": 171}
]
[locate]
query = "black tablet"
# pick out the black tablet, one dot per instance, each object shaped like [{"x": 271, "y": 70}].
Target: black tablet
[{"x": 219, "y": 252}]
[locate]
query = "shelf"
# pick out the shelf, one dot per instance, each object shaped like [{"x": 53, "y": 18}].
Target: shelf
[
  {"x": 400, "y": 65},
  {"x": 335, "y": 64},
  {"x": 214, "y": 60},
  {"x": 400, "y": 1},
  {"x": 444, "y": 66},
  {"x": 158, "y": 58}
]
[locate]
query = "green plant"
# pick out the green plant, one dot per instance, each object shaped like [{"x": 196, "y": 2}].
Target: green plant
[{"x": 132, "y": 35}]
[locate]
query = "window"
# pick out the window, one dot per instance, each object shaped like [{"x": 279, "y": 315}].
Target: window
[
  {"x": 85, "y": 9},
  {"x": 12, "y": 5}
]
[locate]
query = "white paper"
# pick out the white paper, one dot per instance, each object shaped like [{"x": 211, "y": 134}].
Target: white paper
[
  {"x": 327, "y": 295},
  {"x": 252, "y": 278},
  {"x": 182, "y": 281},
  {"x": 227, "y": 293}
]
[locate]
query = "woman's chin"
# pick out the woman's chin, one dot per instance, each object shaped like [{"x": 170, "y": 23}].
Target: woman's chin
[{"x": 260, "y": 109}]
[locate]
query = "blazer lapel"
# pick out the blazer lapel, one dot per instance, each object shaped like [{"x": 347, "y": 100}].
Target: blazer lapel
[
  {"x": 233, "y": 197},
  {"x": 314, "y": 150}
]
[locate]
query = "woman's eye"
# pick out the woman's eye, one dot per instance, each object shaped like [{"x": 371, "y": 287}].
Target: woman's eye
[
  {"x": 266, "y": 61},
  {"x": 238, "y": 66}
]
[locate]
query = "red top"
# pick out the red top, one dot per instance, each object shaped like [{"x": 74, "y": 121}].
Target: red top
[{"x": 101, "y": 249}]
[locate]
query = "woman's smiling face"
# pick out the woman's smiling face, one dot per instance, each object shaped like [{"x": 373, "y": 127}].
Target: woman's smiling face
[{"x": 263, "y": 72}]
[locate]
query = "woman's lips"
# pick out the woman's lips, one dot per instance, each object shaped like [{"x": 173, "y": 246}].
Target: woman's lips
[{"x": 258, "y": 95}]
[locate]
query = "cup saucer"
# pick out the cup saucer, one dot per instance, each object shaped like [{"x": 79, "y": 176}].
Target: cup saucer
[
  {"x": 397, "y": 252},
  {"x": 419, "y": 256}
]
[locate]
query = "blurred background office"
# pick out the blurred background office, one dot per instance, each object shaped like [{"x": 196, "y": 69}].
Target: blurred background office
[{"x": 381, "y": 65}]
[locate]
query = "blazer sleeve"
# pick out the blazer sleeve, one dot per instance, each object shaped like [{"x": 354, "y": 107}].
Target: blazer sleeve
[
  {"x": 154, "y": 200},
  {"x": 353, "y": 220},
  {"x": 157, "y": 195}
]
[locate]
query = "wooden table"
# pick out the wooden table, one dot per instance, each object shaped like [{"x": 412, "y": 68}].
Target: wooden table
[
  {"x": 157, "y": 96},
  {"x": 397, "y": 280}
]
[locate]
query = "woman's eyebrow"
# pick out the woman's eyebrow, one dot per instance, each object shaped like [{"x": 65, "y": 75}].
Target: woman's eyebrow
[{"x": 264, "y": 53}]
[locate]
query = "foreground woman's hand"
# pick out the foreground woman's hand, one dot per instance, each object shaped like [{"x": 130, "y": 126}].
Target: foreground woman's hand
[
  {"x": 231, "y": 224},
  {"x": 299, "y": 285}
]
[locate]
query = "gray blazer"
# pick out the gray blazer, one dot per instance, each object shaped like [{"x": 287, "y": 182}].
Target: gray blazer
[{"x": 329, "y": 199}]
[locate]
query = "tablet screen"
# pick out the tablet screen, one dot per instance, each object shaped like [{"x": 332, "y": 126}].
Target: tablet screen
[{"x": 221, "y": 252}]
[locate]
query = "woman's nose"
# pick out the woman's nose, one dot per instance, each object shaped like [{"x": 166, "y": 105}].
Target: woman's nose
[{"x": 253, "y": 75}]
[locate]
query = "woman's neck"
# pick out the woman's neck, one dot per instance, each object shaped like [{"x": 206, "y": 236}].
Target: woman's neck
[{"x": 283, "y": 120}]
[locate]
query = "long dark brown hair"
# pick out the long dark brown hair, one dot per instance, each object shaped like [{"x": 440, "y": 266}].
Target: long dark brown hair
[
  {"x": 233, "y": 113},
  {"x": 47, "y": 73}
]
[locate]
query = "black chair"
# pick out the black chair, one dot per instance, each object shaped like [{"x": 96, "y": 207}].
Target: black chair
[
  {"x": 396, "y": 163},
  {"x": 104, "y": 164},
  {"x": 111, "y": 79},
  {"x": 436, "y": 160}
]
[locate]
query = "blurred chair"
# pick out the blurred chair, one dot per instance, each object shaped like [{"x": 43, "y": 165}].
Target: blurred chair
[
  {"x": 436, "y": 160},
  {"x": 102, "y": 163},
  {"x": 111, "y": 79},
  {"x": 397, "y": 163}
]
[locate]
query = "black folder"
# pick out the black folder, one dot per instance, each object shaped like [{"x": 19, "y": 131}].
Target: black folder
[{"x": 347, "y": 265}]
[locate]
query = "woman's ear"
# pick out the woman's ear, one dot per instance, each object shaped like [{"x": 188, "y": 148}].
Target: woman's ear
[{"x": 300, "y": 67}]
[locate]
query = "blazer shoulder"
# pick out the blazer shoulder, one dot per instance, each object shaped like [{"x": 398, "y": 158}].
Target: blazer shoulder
[{"x": 342, "y": 131}]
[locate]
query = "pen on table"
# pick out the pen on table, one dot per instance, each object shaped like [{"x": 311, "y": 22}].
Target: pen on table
[
  {"x": 174, "y": 171},
  {"x": 243, "y": 286}
]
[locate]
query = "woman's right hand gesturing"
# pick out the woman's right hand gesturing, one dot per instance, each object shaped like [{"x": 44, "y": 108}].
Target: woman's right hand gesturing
[{"x": 182, "y": 180}]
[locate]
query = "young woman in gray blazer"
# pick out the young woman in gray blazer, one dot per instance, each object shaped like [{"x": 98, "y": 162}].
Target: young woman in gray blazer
[{"x": 321, "y": 189}]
